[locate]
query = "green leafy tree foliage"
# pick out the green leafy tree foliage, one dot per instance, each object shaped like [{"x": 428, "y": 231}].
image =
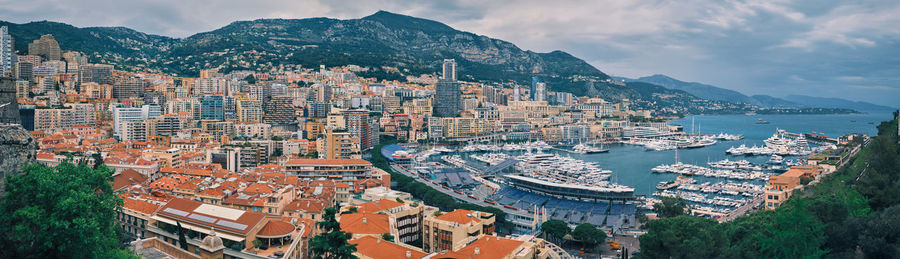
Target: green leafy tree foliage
[
  {"x": 880, "y": 180},
  {"x": 182, "y": 240},
  {"x": 332, "y": 242},
  {"x": 387, "y": 237},
  {"x": 681, "y": 237},
  {"x": 556, "y": 229},
  {"x": 250, "y": 79},
  {"x": 68, "y": 210},
  {"x": 588, "y": 235},
  {"x": 670, "y": 207}
]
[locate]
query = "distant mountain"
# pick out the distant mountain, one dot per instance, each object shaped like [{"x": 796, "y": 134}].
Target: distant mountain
[
  {"x": 412, "y": 45},
  {"x": 120, "y": 41},
  {"x": 700, "y": 90},
  {"x": 773, "y": 102},
  {"x": 765, "y": 101},
  {"x": 811, "y": 101},
  {"x": 391, "y": 45}
]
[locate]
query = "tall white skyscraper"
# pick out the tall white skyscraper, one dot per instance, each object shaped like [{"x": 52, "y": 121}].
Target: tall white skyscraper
[
  {"x": 449, "y": 68},
  {"x": 516, "y": 95},
  {"x": 540, "y": 92},
  {"x": 122, "y": 115},
  {"x": 6, "y": 51}
]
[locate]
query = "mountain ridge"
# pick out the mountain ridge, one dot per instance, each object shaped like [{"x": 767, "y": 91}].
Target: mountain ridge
[
  {"x": 387, "y": 43},
  {"x": 712, "y": 92}
]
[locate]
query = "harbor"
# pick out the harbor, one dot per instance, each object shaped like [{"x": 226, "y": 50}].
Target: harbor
[{"x": 715, "y": 183}]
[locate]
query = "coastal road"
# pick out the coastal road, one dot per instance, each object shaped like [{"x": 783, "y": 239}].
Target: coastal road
[
  {"x": 743, "y": 209},
  {"x": 463, "y": 197}
]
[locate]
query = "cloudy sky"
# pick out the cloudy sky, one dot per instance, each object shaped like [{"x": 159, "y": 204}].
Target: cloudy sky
[{"x": 828, "y": 48}]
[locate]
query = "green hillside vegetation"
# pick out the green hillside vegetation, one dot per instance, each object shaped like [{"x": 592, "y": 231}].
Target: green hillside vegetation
[
  {"x": 66, "y": 211},
  {"x": 851, "y": 213}
]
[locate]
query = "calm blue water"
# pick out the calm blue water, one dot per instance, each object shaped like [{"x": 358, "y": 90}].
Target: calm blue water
[{"x": 631, "y": 164}]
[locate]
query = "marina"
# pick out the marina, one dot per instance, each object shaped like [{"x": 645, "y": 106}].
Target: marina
[{"x": 532, "y": 178}]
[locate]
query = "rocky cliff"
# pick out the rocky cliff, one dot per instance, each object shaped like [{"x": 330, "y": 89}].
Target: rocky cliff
[{"x": 17, "y": 148}]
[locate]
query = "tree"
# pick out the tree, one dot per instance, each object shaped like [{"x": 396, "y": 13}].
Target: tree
[
  {"x": 351, "y": 210},
  {"x": 681, "y": 237},
  {"x": 670, "y": 207},
  {"x": 250, "y": 79},
  {"x": 181, "y": 239},
  {"x": 65, "y": 210},
  {"x": 588, "y": 235},
  {"x": 332, "y": 242},
  {"x": 257, "y": 244},
  {"x": 556, "y": 229},
  {"x": 387, "y": 237}
]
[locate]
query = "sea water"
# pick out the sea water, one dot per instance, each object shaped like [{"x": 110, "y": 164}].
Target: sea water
[{"x": 631, "y": 164}]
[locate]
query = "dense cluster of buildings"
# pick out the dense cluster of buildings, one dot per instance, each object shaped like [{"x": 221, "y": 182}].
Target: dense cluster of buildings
[{"x": 245, "y": 162}]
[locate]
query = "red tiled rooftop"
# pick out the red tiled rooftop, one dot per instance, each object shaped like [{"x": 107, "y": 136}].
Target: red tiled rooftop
[
  {"x": 276, "y": 229},
  {"x": 248, "y": 218},
  {"x": 140, "y": 206},
  {"x": 488, "y": 247},
  {"x": 379, "y": 249},
  {"x": 460, "y": 216},
  {"x": 365, "y": 223},
  {"x": 308, "y": 205}
]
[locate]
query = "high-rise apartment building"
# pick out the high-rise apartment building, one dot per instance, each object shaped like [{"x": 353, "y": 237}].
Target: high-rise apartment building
[
  {"x": 249, "y": 111},
  {"x": 7, "y": 51},
  {"x": 449, "y": 69},
  {"x": 533, "y": 90},
  {"x": 280, "y": 110},
  {"x": 64, "y": 118},
  {"x": 447, "y": 98},
  {"x": 121, "y": 115},
  {"x": 212, "y": 108},
  {"x": 128, "y": 87},
  {"x": 97, "y": 73},
  {"x": 24, "y": 71},
  {"x": 358, "y": 125},
  {"x": 46, "y": 47},
  {"x": 540, "y": 92}
]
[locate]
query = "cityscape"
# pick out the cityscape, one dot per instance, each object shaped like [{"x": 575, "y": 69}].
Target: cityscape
[{"x": 392, "y": 136}]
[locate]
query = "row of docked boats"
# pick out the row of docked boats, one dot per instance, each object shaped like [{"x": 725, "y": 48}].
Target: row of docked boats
[
  {"x": 535, "y": 145},
  {"x": 703, "y": 199},
  {"x": 780, "y": 143},
  {"x": 587, "y": 149},
  {"x": 675, "y": 142},
  {"x": 490, "y": 158},
  {"x": 689, "y": 169}
]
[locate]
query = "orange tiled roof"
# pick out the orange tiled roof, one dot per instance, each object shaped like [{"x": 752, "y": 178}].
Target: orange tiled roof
[
  {"x": 378, "y": 205},
  {"x": 365, "y": 223},
  {"x": 460, "y": 216},
  {"x": 248, "y": 218},
  {"x": 127, "y": 177},
  {"x": 211, "y": 192},
  {"x": 258, "y": 188},
  {"x": 379, "y": 249},
  {"x": 308, "y": 205},
  {"x": 488, "y": 247},
  {"x": 276, "y": 229},
  {"x": 140, "y": 206}
]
